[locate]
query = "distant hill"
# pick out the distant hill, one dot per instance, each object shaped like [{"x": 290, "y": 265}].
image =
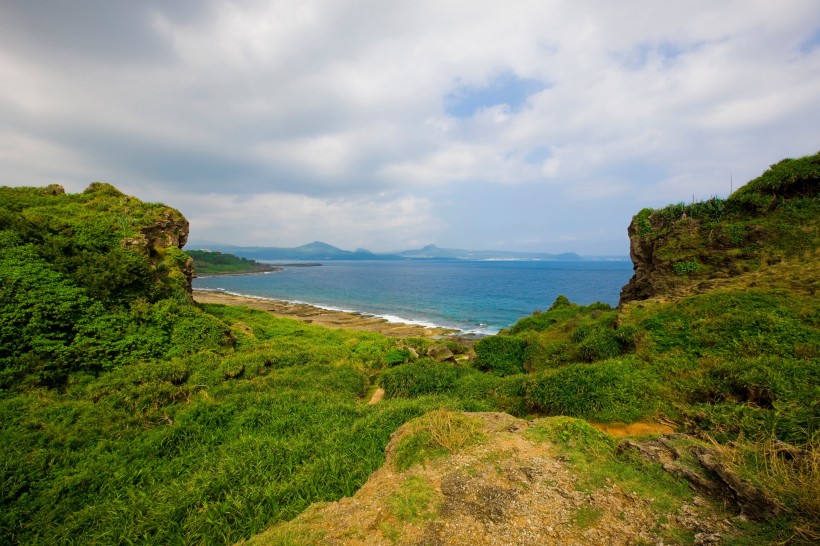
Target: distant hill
[
  {"x": 208, "y": 263},
  {"x": 432, "y": 251},
  {"x": 318, "y": 250}
]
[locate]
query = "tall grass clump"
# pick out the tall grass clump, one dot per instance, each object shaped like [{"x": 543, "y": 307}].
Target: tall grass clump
[{"x": 613, "y": 390}]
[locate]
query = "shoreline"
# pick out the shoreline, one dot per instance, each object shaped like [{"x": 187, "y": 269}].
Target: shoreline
[{"x": 324, "y": 317}]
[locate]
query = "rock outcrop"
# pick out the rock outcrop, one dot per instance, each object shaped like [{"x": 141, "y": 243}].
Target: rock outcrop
[
  {"x": 168, "y": 230},
  {"x": 761, "y": 229},
  {"x": 706, "y": 472},
  {"x": 507, "y": 486}
]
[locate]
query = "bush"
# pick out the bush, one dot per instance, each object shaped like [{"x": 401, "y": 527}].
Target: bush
[
  {"x": 599, "y": 345},
  {"x": 424, "y": 376},
  {"x": 394, "y": 357},
  {"x": 686, "y": 267},
  {"x": 501, "y": 355},
  {"x": 608, "y": 391}
]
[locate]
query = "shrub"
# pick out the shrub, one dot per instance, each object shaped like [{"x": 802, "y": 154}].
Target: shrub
[
  {"x": 686, "y": 267},
  {"x": 598, "y": 345},
  {"x": 394, "y": 357},
  {"x": 425, "y": 376},
  {"x": 608, "y": 391},
  {"x": 502, "y": 355},
  {"x": 642, "y": 222}
]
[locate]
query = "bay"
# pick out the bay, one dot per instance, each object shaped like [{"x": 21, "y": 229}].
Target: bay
[{"x": 476, "y": 297}]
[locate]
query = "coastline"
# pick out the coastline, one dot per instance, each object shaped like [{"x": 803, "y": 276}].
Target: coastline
[
  {"x": 324, "y": 317},
  {"x": 240, "y": 273}
]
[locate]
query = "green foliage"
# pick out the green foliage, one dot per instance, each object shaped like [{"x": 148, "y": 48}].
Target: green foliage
[
  {"x": 209, "y": 262},
  {"x": 643, "y": 223},
  {"x": 501, "y": 355},
  {"x": 686, "y": 267},
  {"x": 787, "y": 179},
  {"x": 83, "y": 236},
  {"x": 608, "y": 391},
  {"x": 569, "y": 333},
  {"x": 425, "y": 376},
  {"x": 394, "y": 357}
]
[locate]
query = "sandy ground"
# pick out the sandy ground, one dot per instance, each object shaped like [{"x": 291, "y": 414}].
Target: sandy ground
[{"x": 323, "y": 317}]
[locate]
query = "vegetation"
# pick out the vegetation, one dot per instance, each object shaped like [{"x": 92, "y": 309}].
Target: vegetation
[
  {"x": 210, "y": 262},
  {"x": 131, "y": 414},
  {"x": 764, "y": 227}
]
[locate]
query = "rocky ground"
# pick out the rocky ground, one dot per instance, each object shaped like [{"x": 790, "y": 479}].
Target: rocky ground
[
  {"x": 323, "y": 317},
  {"x": 508, "y": 488}
]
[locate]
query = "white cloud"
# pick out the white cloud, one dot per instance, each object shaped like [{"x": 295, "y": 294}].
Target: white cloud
[
  {"x": 334, "y": 102},
  {"x": 277, "y": 219}
]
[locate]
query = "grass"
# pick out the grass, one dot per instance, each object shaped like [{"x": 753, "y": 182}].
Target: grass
[
  {"x": 434, "y": 435},
  {"x": 414, "y": 500},
  {"x": 128, "y": 414},
  {"x": 785, "y": 473}
]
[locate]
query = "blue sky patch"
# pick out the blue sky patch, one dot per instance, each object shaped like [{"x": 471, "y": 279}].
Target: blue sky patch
[
  {"x": 507, "y": 88},
  {"x": 812, "y": 43},
  {"x": 538, "y": 155},
  {"x": 667, "y": 52}
]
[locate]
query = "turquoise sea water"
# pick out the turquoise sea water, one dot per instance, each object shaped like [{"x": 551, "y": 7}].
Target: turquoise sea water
[{"x": 475, "y": 297}]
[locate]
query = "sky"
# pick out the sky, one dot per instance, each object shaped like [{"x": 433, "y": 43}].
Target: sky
[{"x": 539, "y": 125}]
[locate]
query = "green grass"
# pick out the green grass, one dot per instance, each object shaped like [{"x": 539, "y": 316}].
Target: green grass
[
  {"x": 129, "y": 414},
  {"x": 435, "y": 435},
  {"x": 414, "y": 500}
]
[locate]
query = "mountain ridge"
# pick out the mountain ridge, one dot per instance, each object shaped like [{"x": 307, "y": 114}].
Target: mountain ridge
[{"x": 319, "y": 250}]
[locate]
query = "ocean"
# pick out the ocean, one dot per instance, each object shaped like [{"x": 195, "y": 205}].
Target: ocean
[{"x": 476, "y": 297}]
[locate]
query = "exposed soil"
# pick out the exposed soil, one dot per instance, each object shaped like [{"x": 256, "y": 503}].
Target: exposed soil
[
  {"x": 377, "y": 397},
  {"x": 622, "y": 430}
]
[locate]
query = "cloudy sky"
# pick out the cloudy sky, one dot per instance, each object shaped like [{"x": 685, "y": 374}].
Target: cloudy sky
[{"x": 537, "y": 125}]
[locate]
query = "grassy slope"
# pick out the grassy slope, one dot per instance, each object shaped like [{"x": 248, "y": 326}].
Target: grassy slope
[
  {"x": 208, "y": 262},
  {"x": 235, "y": 419}
]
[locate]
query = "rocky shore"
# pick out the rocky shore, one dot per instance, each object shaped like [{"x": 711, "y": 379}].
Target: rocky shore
[{"x": 323, "y": 317}]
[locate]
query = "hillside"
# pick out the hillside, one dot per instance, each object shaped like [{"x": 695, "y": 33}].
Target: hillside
[
  {"x": 209, "y": 262},
  {"x": 718, "y": 335},
  {"x": 318, "y": 250},
  {"x": 131, "y": 414},
  {"x": 764, "y": 233},
  {"x": 91, "y": 281}
]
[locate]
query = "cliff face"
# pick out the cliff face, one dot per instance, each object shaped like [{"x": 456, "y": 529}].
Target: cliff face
[
  {"x": 762, "y": 232},
  {"x": 161, "y": 242}
]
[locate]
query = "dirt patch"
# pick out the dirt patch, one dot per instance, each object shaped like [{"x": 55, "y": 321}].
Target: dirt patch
[
  {"x": 622, "y": 430},
  {"x": 377, "y": 397}
]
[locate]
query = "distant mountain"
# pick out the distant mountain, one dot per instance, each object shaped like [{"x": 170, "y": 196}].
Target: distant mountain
[
  {"x": 314, "y": 251},
  {"x": 432, "y": 251},
  {"x": 319, "y": 251}
]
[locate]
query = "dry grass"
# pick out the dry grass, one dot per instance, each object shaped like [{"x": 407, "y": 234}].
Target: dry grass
[
  {"x": 788, "y": 474},
  {"x": 451, "y": 430}
]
